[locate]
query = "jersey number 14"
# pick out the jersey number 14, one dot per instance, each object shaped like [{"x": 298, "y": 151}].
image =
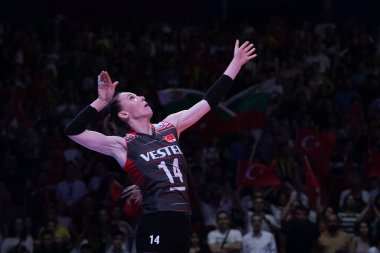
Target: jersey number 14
[{"x": 176, "y": 171}]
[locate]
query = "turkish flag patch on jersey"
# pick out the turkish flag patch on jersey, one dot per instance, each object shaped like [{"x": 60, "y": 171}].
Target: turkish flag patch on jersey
[{"x": 169, "y": 138}]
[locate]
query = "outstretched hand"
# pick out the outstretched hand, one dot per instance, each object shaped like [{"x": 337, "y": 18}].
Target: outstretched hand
[
  {"x": 244, "y": 53},
  {"x": 106, "y": 89}
]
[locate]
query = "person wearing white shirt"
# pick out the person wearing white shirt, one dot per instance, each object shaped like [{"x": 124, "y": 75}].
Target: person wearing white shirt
[
  {"x": 224, "y": 239},
  {"x": 269, "y": 223},
  {"x": 258, "y": 241}
]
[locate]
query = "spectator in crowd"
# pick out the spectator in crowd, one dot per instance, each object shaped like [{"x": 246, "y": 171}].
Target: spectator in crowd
[
  {"x": 213, "y": 201},
  {"x": 324, "y": 217},
  {"x": 48, "y": 244},
  {"x": 351, "y": 213},
  {"x": 258, "y": 241},
  {"x": 118, "y": 221},
  {"x": 299, "y": 234},
  {"x": 197, "y": 245},
  {"x": 362, "y": 239},
  {"x": 118, "y": 243},
  {"x": 17, "y": 240},
  {"x": 269, "y": 222},
  {"x": 61, "y": 234},
  {"x": 71, "y": 189},
  {"x": 334, "y": 239},
  {"x": 360, "y": 195},
  {"x": 224, "y": 239}
]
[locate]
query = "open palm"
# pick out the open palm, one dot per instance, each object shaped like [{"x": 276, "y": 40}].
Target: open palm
[
  {"x": 106, "y": 89},
  {"x": 245, "y": 52}
]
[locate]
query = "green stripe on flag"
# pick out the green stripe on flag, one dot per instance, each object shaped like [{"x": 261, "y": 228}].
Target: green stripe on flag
[
  {"x": 249, "y": 100},
  {"x": 175, "y": 100}
]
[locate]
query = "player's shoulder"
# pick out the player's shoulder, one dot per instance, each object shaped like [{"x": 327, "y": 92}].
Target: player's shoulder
[{"x": 163, "y": 126}]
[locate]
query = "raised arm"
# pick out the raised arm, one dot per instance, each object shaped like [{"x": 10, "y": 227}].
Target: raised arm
[
  {"x": 186, "y": 118},
  {"x": 76, "y": 130}
]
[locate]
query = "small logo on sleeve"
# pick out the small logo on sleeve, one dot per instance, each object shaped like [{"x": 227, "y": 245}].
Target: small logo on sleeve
[{"x": 169, "y": 138}]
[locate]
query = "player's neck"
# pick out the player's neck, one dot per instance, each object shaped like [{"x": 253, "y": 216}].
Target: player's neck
[{"x": 141, "y": 126}]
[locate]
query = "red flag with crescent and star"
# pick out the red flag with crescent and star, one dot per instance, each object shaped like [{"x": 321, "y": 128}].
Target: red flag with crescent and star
[
  {"x": 255, "y": 174},
  {"x": 313, "y": 143},
  {"x": 312, "y": 183},
  {"x": 317, "y": 147}
]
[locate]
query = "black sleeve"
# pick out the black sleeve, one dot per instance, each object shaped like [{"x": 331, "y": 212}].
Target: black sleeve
[
  {"x": 81, "y": 121},
  {"x": 218, "y": 90}
]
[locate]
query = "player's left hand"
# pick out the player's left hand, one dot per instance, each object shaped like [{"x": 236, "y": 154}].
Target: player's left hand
[{"x": 244, "y": 53}]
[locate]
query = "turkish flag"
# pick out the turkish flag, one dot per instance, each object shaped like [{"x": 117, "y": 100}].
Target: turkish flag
[
  {"x": 317, "y": 147},
  {"x": 313, "y": 143},
  {"x": 115, "y": 189},
  {"x": 311, "y": 183},
  {"x": 255, "y": 174}
]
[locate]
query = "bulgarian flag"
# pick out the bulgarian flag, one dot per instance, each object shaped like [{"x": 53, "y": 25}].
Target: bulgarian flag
[
  {"x": 177, "y": 99},
  {"x": 250, "y": 107}
]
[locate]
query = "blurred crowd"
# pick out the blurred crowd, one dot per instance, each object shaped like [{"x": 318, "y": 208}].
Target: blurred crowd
[{"x": 55, "y": 195}]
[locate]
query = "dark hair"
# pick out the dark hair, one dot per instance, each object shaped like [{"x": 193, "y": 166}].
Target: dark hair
[
  {"x": 222, "y": 212},
  {"x": 113, "y": 125},
  {"x": 256, "y": 215},
  {"x": 116, "y": 233}
]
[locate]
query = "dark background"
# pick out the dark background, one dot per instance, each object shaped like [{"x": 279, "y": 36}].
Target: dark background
[{"x": 189, "y": 11}]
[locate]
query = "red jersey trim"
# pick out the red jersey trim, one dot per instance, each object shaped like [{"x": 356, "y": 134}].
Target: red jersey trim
[{"x": 131, "y": 169}]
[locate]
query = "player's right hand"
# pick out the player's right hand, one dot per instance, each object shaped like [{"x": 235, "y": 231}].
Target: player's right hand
[{"x": 106, "y": 89}]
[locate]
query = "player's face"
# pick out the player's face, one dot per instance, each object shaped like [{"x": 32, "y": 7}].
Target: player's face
[{"x": 135, "y": 106}]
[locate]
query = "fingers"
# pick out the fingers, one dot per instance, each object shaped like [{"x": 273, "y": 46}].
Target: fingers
[
  {"x": 249, "y": 47},
  {"x": 252, "y": 56},
  {"x": 244, "y": 45},
  {"x": 103, "y": 78},
  {"x": 251, "y": 51},
  {"x": 100, "y": 80}
]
